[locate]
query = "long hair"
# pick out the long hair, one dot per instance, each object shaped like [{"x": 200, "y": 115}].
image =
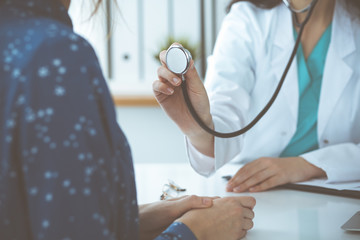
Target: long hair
[{"x": 268, "y": 4}]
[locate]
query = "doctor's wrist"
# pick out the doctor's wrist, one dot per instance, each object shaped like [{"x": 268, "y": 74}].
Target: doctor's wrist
[
  {"x": 203, "y": 143},
  {"x": 304, "y": 170}
]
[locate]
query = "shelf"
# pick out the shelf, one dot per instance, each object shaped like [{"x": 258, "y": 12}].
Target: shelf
[{"x": 135, "y": 101}]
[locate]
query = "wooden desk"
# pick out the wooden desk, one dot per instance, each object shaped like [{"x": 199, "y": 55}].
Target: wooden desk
[{"x": 279, "y": 214}]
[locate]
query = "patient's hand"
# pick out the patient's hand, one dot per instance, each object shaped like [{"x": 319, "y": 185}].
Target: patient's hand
[
  {"x": 265, "y": 173},
  {"x": 156, "y": 217},
  {"x": 230, "y": 218}
]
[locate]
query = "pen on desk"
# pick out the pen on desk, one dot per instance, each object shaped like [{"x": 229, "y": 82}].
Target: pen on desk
[{"x": 227, "y": 177}]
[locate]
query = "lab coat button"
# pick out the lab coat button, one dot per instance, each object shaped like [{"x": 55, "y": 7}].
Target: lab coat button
[
  {"x": 283, "y": 133},
  {"x": 326, "y": 141}
]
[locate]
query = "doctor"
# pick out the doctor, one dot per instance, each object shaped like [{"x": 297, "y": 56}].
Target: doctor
[{"x": 313, "y": 128}]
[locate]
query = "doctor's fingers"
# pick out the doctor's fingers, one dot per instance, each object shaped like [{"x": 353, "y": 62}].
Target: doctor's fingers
[
  {"x": 192, "y": 77},
  {"x": 162, "y": 57},
  {"x": 254, "y": 180},
  {"x": 245, "y": 173},
  {"x": 272, "y": 182},
  {"x": 160, "y": 87},
  {"x": 165, "y": 74}
]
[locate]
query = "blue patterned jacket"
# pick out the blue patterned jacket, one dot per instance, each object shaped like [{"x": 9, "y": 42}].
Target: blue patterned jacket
[{"x": 65, "y": 165}]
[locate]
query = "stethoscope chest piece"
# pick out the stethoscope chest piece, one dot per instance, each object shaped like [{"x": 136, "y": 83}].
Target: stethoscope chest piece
[{"x": 178, "y": 59}]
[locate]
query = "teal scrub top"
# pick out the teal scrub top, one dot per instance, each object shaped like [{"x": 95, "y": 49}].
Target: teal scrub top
[{"x": 310, "y": 74}]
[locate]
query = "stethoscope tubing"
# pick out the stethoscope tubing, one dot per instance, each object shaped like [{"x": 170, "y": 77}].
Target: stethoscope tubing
[{"x": 267, "y": 106}]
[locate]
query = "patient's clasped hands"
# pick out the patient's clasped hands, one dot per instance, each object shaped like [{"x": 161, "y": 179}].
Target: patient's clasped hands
[{"x": 208, "y": 218}]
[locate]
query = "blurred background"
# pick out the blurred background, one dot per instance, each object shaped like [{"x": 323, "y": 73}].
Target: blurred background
[{"x": 127, "y": 36}]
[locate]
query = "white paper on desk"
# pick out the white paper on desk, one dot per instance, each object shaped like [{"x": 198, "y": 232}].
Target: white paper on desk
[{"x": 354, "y": 186}]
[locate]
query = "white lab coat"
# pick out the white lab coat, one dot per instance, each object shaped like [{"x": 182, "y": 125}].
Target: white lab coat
[{"x": 251, "y": 52}]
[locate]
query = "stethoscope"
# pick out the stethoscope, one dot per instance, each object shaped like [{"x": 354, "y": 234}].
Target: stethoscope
[{"x": 178, "y": 61}]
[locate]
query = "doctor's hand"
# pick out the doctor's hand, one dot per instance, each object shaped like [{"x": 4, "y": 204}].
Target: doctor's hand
[
  {"x": 169, "y": 95},
  {"x": 265, "y": 173},
  {"x": 155, "y": 217},
  {"x": 228, "y": 218}
]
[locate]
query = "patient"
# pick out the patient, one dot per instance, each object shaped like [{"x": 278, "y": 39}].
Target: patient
[{"x": 65, "y": 165}]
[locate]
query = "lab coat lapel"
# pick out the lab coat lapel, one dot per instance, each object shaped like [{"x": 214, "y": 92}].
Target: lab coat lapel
[
  {"x": 334, "y": 81},
  {"x": 282, "y": 48}
]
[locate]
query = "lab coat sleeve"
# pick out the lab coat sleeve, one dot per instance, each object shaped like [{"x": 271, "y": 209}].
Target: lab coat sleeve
[
  {"x": 341, "y": 162},
  {"x": 229, "y": 80}
]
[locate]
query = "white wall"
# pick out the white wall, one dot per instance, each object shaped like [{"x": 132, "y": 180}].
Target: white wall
[
  {"x": 139, "y": 28},
  {"x": 91, "y": 27},
  {"x": 153, "y": 137}
]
